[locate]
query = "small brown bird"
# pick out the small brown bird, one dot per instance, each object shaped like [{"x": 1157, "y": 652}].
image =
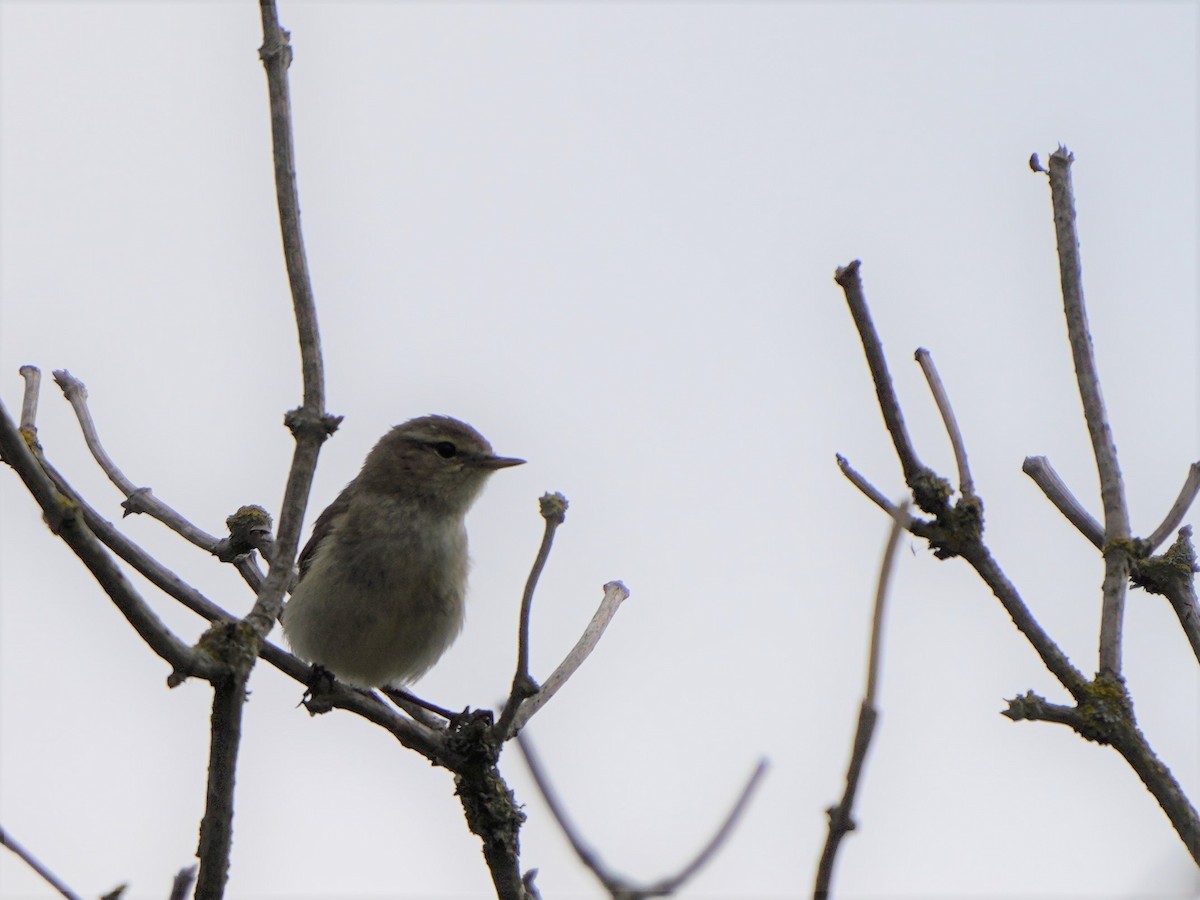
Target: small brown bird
[{"x": 384, "y": 577}]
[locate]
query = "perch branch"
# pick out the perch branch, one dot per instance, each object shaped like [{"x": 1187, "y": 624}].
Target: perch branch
[
  {"x": 1117, "y": 556},
  {"x": 554, "y": 510},
  {"x": 841, "y": 818},
  {"x": 615, "y": 594}
]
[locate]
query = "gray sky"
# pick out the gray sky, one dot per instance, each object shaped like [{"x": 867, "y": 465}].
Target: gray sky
[{"x": 605, "y": 235}]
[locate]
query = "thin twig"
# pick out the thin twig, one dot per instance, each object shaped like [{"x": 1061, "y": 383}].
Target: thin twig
[
  {"x": 1173, "y": 519},
  {"x": 1117, "y": 558},
  {"x": 670, "y": 885},
  {"x": 29, "y": 402},
  {"x": 618, "y": 885},
  {"x": 276, "y": 56},
  {"x": 65, "y": 520},
  {"x": 873, "y": 493},
  {"x": 586, "y": 855},
  {"x": 182, "y": 883},
  {"x": 850, "y": 280},
  {"x": 142, "y": 499},
  {"x": 30, "y": 860},
  {"x": 615, "y": 593},
  {"x": 310, "y": 424},
  {"x": 553, "y": 508},
  {"x": 1039, "y": 469},
  {"x": 137, "y": 499},
  {"x": 966, "y": 486},
  {"x": 841, "y": 816}
]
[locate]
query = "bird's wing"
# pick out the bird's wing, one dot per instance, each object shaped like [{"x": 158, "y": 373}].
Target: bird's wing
[{"x": 322, "y": 529}]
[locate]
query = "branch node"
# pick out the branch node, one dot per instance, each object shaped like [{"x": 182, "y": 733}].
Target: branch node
[
  {"x": 301, "y": 421},
  {"x": 553, "y": 507}
]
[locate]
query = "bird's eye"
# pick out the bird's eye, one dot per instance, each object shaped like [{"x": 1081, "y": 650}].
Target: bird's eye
[{"x": 445, "y": 449}]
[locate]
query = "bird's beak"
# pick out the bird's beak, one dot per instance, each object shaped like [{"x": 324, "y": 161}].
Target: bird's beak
[{"x": 500, "y": 462}]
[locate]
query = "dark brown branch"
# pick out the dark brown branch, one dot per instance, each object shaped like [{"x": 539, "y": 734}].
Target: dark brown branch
[
  {"x": 554, "y": 510},
  {"x": 841, "y": 816},
  {"x": 1117, "y": 555},
  {"x": 966, "y": 486},
  {"x": 30, "y": 860},
  {"x": 1173, "y": 519},
  {"x": 617, "y": 885},
  {"x": 182, "y": 884},
  {"x": 229, "y": 698},
  {"x": 615, "y": 593},
  {"x": 1039, "y": 469},
  {"x": 490, "y": 808}
]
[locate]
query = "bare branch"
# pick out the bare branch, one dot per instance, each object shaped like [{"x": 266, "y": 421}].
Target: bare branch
[
  {"x": 229, "y": 698},
  {"x": 1104, "y": 714},
  {"x": 841, "y": 816},
  {"x": 30, "y": 860},
  {"x": 670, "y": 885},
  {"x": 1039, "y": 469},
  {"x": 182, "y": 883},
  {"x": 617, "y": 885},
  {"x": 310, "y": 424},
  {"x": 65, "y": 520},
  {"x": 29, "y": 402},
  {"x": 615, "y": 594},
  {"x": 276, "y": 56},
  {"x": 926, "y": 492},
  {"x": 1187, "y": 494},
  {"x": 872, "y": 493},
  {"x": 1117, "y": 555},
  {"x": 1173, "y": 575},
  {"x": 137, "y": 499},
  {"x": 925, "y": 359},
  {"x": 554, "y": 510},
  {"x": 981, "y": 560}
]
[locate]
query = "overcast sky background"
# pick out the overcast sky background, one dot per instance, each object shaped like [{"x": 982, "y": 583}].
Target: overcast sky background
[{"x": 605, "y": 234}]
